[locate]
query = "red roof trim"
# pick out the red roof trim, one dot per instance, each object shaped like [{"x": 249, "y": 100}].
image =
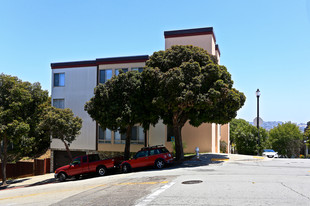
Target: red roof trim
[
  {"x": 191, "y": 34},
  {"x": 97, "y": 62},
  {"x": 73, "y": 66}
]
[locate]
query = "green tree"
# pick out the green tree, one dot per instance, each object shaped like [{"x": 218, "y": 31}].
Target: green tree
[
  {"x": 245, "y": 137},
  {"x": 40, "y": 139},
  {"x": 192, "y": 88},
  {"x": 286, "y": 139},
  {"x": 62, "y": 124},
  {"x": 307, "y": 133},
  {"x": 234, "y": 128},
  {"x": 122, "y": 102},
  {"x": 21, "y": 104}
]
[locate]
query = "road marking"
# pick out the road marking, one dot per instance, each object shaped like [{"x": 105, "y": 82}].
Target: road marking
[
  {"x": 152, "y": 196},
  {"x": 142, "y": 183},
  {"x": 87, "y": 187},
  {"x": 256, "y": 157},
  {"x": 218, "y": 159},
  {"x": 51, "y": 192}
]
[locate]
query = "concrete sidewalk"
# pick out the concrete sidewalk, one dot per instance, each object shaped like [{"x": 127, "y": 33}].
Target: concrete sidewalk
[
  {"x": 29, "y": 181},
  {"x": 204, "y": 159}
]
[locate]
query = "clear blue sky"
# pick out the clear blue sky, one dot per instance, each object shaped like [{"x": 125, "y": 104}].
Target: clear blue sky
[{"x": 264, "y": 44}]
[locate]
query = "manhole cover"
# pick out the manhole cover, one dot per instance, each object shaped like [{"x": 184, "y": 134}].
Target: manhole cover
[{"x": 192, "y": 182}]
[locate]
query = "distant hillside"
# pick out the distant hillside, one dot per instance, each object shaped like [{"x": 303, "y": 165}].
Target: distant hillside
[{"x": 268, "y": 125}]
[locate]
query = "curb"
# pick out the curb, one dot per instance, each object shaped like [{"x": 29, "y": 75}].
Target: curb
[{"x": 219, "y": 159}]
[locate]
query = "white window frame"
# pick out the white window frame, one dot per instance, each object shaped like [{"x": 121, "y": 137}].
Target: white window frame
[
  {"x": 60, "y": 83},
  {"x": 59, "y": 99}
]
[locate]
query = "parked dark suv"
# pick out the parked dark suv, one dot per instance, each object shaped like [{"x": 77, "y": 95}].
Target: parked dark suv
[{"x": 157, "y": 156}]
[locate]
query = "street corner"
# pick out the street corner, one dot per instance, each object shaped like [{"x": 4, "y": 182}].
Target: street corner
[
  {"x": 214, "y": 160},
  {"x": 262, "y": 158},
  {"x": 259, "y": 158}
]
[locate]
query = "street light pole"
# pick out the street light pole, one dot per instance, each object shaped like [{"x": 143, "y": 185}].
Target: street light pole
[{"x": 257, "y": 95}]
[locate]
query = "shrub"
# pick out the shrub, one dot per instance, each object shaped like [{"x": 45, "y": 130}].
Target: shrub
[{"x": 223, "y": 146}]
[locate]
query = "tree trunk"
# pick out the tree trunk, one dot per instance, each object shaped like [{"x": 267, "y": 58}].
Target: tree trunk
[
  {"x": 68, "y": 151},
  {"x": 127, "y": 145},
  {"x": 178, "y": 139},
  {"x": 4, "y": 159}
]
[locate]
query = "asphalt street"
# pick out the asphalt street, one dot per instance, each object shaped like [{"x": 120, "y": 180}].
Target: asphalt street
[{"x": 233, "y": 182}]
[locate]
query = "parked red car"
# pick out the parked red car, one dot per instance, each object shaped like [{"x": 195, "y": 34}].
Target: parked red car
[
  {"x": 157, "y": 156},
  {"x": 86, "y": 164}
]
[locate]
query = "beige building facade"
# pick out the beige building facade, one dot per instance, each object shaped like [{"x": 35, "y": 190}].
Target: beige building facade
[
  {"x": 207, "y": 136},
  {"x": 73, "y": 85}
]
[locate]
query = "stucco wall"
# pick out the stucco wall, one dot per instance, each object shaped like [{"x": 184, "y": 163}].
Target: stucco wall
[
  {"x": 157, "y": 134},
  {"x": 78, "y": 89},
  {"x": 225, "y": 135},
  {"x": 204, "y": 41},
  {"x": 218, "y": 57},
  {"x": 197, "y": 137},
  {"x": 118, "y": 147}
]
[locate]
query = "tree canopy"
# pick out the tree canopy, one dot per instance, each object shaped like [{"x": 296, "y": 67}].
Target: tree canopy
[
  {"x": 121, "y": 103},
  {"x": 21, "y": 106},
  {"x": 191, "y": 87},
  {"x": 286, "y": 139},
  {"x": 62, "y": 124}
]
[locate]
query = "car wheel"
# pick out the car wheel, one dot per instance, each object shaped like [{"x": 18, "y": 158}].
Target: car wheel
[
  {"x": 126, "y": 168},
  {"x": 159, "y": 164},
  {"x": 62, "y": 177},
  {"x": 101, "y": 171}
]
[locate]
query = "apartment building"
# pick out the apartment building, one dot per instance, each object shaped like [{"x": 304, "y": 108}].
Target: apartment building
[{"x": 73, "y": 85}]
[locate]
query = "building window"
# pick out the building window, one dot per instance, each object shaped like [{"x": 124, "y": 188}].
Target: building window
[
  {"x": 117, "y": 71},
  {"x": 137, "y": 135},
  {"x": 105, "y": 75},
  {"x": 170, "y": 136},
  {"x": 59, "y": 79},
  {"x": 119, "y": 138},
  {"x": 59, "y": 103},
  {"x": 105, "y": 136},
  {"x": 139, "y": 69}
]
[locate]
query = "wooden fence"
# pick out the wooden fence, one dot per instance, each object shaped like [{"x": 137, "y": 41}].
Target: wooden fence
[{"x": 25, "y": 169}]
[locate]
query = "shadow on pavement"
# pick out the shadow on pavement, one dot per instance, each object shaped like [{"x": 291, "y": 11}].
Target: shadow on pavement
[
  {"x": 204, "y": 159},
  {"x": 12, "y": 182},
  {"x": 47, "y": 181}
]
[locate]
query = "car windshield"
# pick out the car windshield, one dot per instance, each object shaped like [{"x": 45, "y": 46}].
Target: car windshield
[
  {"x": 269, "y": 150},
  {"x": 76, "y": 161}
]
